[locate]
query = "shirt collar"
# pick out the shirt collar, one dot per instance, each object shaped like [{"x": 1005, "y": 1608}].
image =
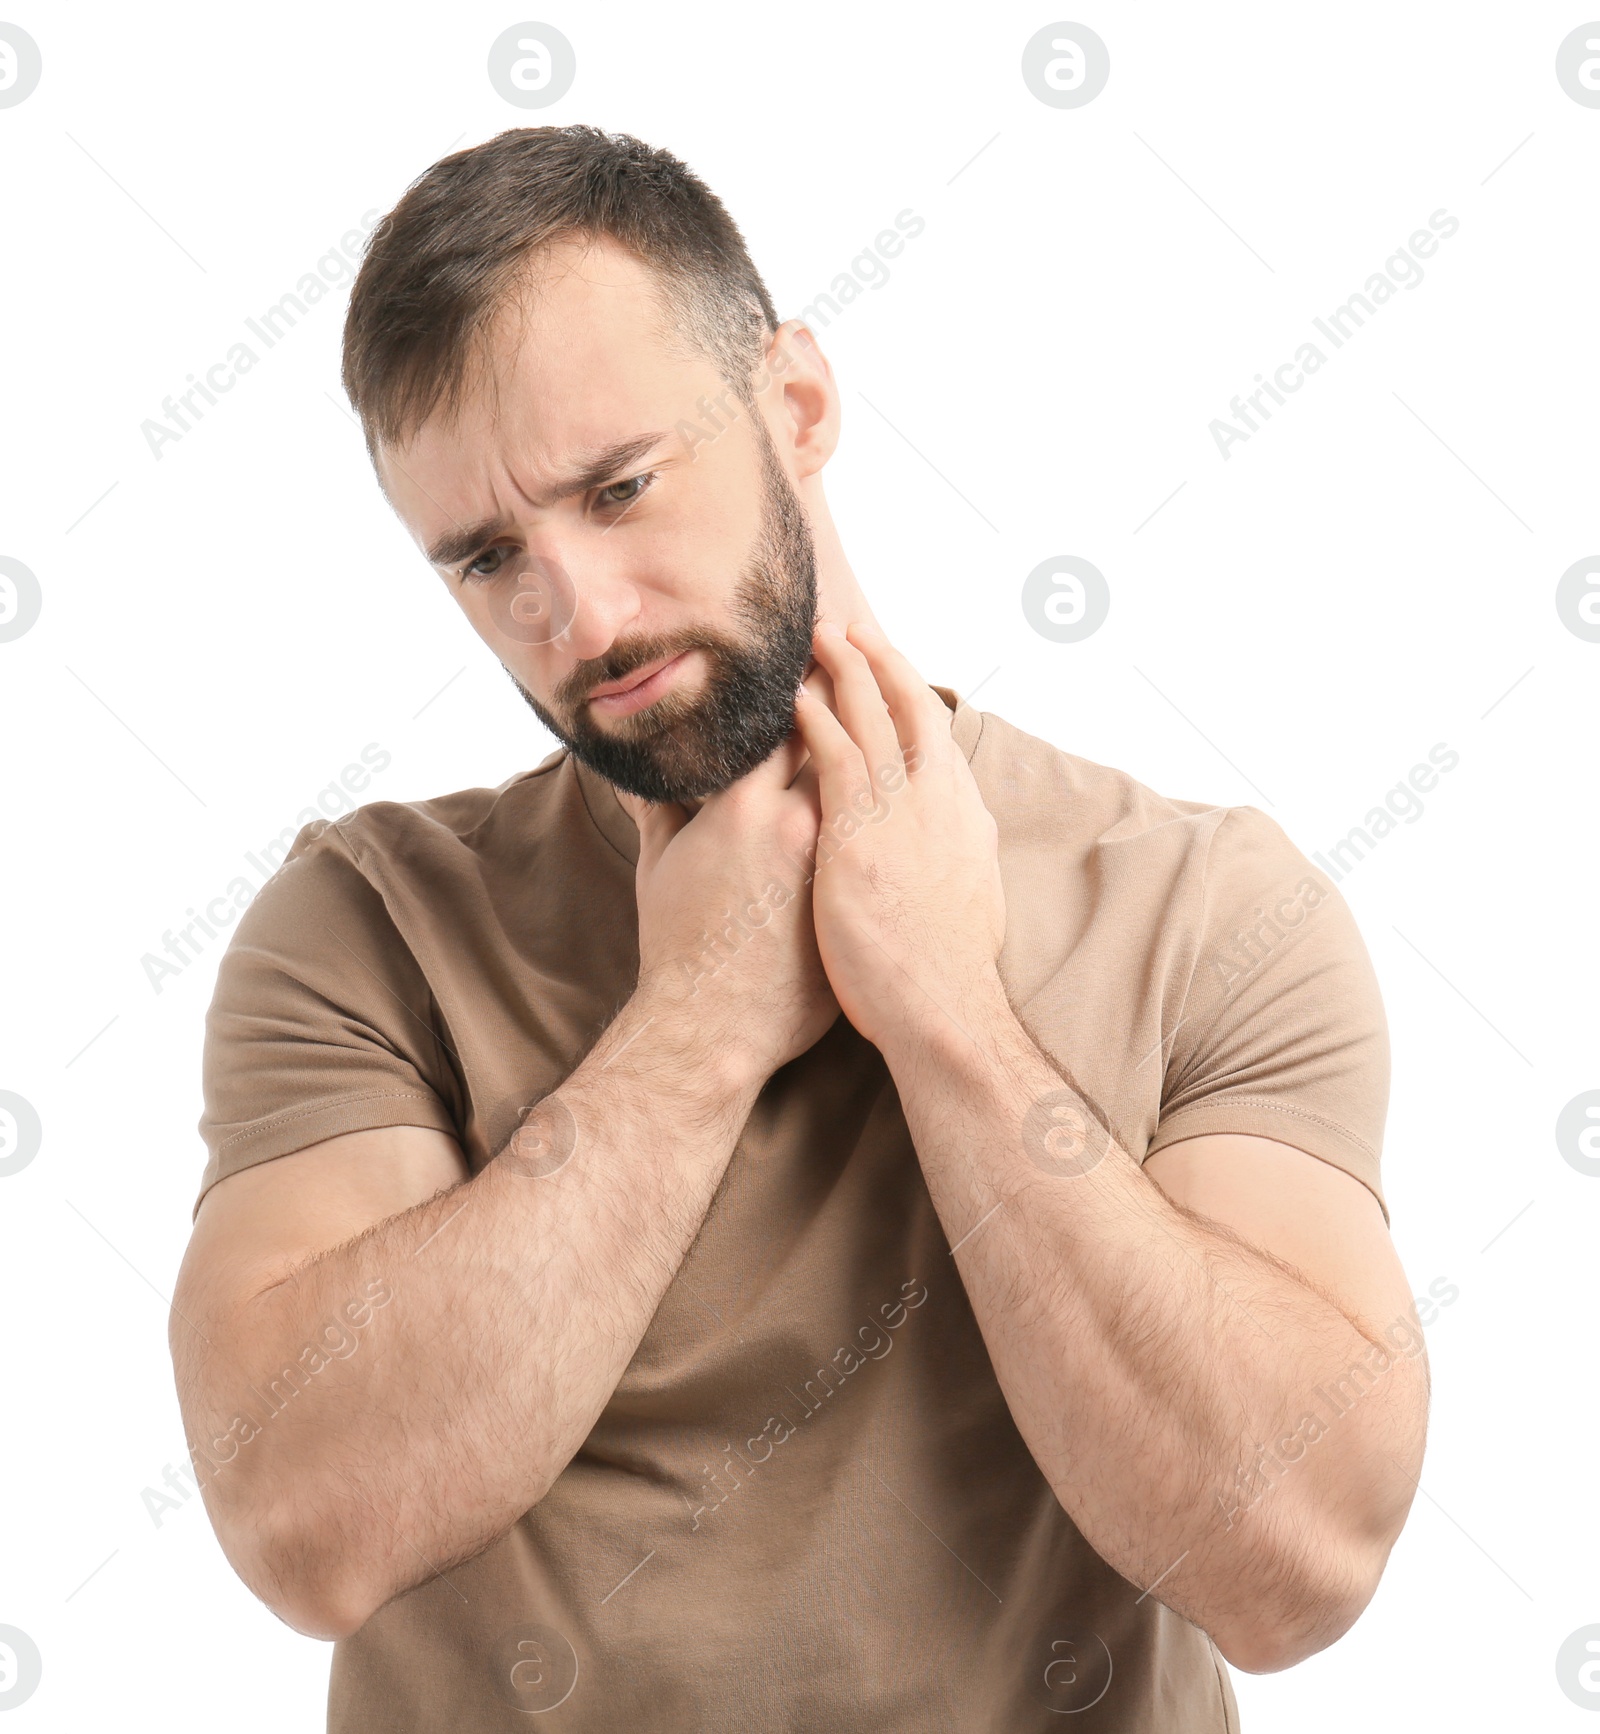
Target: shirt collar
[{"x": 617, "y": 827}]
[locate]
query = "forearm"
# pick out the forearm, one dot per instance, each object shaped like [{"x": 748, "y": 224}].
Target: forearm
[
  {"x": 1148, "y": 1355},
  {"x": 500, "y": 1316}
]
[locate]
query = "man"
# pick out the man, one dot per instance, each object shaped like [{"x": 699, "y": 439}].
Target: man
[{"x": 810, "y": 1209}]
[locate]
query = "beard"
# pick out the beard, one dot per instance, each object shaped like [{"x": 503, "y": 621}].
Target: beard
[{"x": 683, "y": 748}]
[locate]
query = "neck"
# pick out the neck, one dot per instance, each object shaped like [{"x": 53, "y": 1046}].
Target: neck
[{"x": 840, "y": 598}]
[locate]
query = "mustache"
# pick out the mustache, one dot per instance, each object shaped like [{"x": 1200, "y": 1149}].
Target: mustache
[{"x": 618, "y": 663}]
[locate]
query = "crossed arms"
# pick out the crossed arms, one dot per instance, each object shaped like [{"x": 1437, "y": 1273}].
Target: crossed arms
[{"x": 1162, "y": 1334}]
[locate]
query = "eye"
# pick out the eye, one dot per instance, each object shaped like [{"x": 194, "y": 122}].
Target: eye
[
  {"x": 637, "y": 487},
  {"x": 474, "y": 573}
]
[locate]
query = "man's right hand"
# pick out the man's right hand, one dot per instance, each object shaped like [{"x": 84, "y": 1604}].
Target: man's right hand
[
  {"x": 725, "y": 926},
  {"x": 519, "y": 1294}
]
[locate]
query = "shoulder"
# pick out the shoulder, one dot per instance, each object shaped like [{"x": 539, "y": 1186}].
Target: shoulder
[
  {"x": 382, "y": 835},
  {"x": 1100, "y": 839},
  {"x": 1040, "y": 790}
]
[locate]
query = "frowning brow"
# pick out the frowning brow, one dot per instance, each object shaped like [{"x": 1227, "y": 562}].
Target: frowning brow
[{"x": 592, "y": 469}]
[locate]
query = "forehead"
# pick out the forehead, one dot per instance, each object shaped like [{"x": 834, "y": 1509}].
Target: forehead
[{"x": 578, "y": 356}]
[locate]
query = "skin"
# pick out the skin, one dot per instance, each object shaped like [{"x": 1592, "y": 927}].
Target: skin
[{"x": 1178, "y": 1312}]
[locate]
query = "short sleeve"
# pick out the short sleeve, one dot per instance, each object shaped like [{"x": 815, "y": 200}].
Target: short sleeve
[
  {"x": 1282, "y": 1033},
  {"x": 321, "y": 1021}
]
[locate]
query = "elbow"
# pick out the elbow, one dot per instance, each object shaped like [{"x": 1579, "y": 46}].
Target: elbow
[
  {"x": 1260, "y": 1647},
  {"x": 1320, "y": 1575},
  {"x": 1314, "y": 1614},
  {"x": 331, "y": 1611},
  {"x": 317, "y": 1590}
]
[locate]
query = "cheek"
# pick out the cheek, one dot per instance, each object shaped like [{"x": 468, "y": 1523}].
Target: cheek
[
  {"x": 536, "y": 668},
  {"x": 698, "y": 539},
  {"x": 520, "y": 626}
]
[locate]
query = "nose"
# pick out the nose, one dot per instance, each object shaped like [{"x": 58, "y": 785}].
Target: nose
[{"x": 606, "y": 600}]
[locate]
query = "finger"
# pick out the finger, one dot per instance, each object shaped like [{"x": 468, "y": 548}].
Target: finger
[
  {"x": 776, "y": 771},
  {"x": 782, "y": 766},
  {"x": 797, "y": 819},
  {"x": 808, "y": 785},
  {"x": 805, "y": 766},
  {"x": 658, "y": 823},
  {"x": 819, "y": 683},
  {"x": 860, "y": 703},
  {"x": 921, "y": 718},
  {"x": 843, "y": 781}
]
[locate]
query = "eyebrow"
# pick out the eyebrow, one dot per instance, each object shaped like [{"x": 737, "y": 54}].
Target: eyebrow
[{"x": 592, "y": 470}]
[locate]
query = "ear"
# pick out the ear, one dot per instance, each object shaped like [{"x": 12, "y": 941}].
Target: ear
[{"x": 806, "y": 407}]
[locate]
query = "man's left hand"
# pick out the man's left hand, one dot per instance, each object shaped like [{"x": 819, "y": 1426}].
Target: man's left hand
[{"x": 909, "y": 910}]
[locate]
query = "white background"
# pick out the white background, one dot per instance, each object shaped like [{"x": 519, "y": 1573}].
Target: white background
[{"x": 1370, "y": 574}]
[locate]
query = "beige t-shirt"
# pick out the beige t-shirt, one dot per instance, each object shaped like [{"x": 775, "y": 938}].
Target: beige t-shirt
[{"x": 806, "y": 1506}]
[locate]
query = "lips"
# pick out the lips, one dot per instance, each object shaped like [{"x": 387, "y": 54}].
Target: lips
[{"x": 610, "y": 688}]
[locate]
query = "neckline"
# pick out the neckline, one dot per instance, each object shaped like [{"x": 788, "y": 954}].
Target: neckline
[{"x": 613, "y": 822}]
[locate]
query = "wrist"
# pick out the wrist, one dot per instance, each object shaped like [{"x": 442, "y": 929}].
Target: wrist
[
  {"x": 952, "y": 1030},
  {"x": 678, "y": 1039}
]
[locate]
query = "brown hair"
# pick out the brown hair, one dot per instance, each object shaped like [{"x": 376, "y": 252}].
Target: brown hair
[{"x": 441, "y": 263}]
